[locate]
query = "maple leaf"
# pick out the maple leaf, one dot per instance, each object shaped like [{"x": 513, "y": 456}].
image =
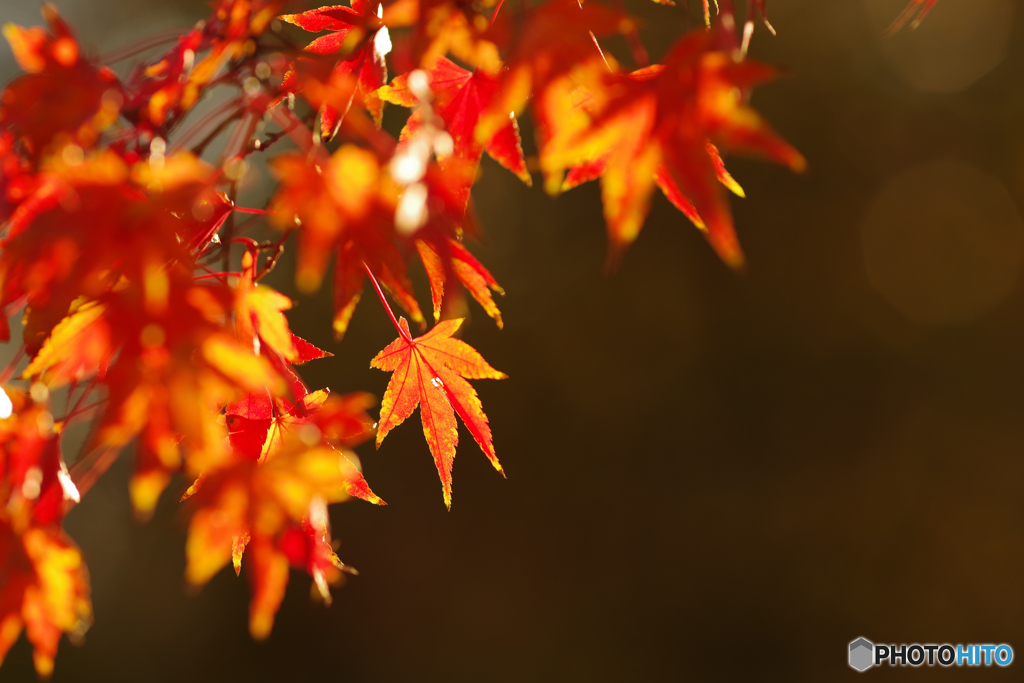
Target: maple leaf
[
  {"x": 92, "y": 219},
  {"x": 169, "y": 361},
  {"x": 154, "y": 91},
  {"x": 316, "y": 420},
  {"x": 555, "y": 51},
  {"x": 655, "y": 126},
  {"x": 259, "y": 316},
  {"x": 259, "y": 508},
  {"x": 259, "y": 427},
  {"x": 442, "y": 27},
  {"x": 248, "y": 421},
  {"x": 62, "y": 92},
  {"x": 255, "y": 422},
  {"x": 260, "y": 423},
  {"x": 43, "y": 582},
  {"x": 44, "y": 588},
  {"x": 360, "y": 38},
  {"x": 459, "y": 97},
  {"x": 347, "y": 207},
  {"x": 36, "y": 480},
  {"x": 428, "y": 372},
  {"x": 445, "y": 258}
]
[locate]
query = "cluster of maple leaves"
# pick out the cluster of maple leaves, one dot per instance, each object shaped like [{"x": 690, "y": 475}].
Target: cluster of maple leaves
[{"x": 139, "y": 292}]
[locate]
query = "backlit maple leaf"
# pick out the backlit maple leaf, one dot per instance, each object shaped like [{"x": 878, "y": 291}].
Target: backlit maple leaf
[
  {"x": 444, "y": 259},
  {"x": 273, "y": 512},
  {"x": 442, "y": 27},
  {"x": 173, "y": 362},
  {"x": 347, "y": 207},
  {"x": 62, "y": 91},
  {"x": 459, "y": 98},
  {"x": 44, "y": 588},
  {"x": 428, "y": 372},
  {"x": 655, "y": 126},
  {"x": 555, "y": 51},
  {"x": 90, "y": 219},
  {"x": 360, "y": 39}
]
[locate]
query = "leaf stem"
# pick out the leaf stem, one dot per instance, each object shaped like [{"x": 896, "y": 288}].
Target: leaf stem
[
  {"x": 77, "y": 409},
  {"x": 391, "y": 314},
  {"x": 198, "y": 126},
  {"x": 497, "y": 9},
  {"x": 258, "y": 212},
  {"x": 221, "y": 276},
  {"x": 600, "y": 51},
  {"x": 8, "y": 372},
  {"x": 85, "y": 476}
]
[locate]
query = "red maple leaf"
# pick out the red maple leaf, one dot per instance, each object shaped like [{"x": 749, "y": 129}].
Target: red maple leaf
[
  {"x": 442, "y": 27},
  {"x": 44, "y": 586},
  {"x": 459, "y": 97},
  {"x": 170, "y": 360},
  {"x": 445, "y": 259},
  {"x": 359, "y": 37},
  {"x": 62, "y": 91}
]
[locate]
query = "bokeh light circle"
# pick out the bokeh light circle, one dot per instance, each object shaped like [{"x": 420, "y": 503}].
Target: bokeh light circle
[{"x": 943, "y": 243}]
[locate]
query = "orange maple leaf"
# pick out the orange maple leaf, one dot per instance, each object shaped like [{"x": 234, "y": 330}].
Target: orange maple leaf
[
  {"x": 446, "y": 258},
  {"x": 173, "y": 362},
  {"x": 134, "y": 215},
  {"x": 664, "y": 125},
  {"x": 275, "y": 509},
  {"x": 44, "y": 587},
  {"x": 428, "y": 372},
  {"x": 556, "y": 48}
]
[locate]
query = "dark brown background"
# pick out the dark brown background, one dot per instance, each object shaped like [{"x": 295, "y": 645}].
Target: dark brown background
[{"x": 710, "y": 476}]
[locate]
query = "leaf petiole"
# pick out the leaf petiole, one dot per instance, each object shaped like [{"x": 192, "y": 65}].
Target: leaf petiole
[{"x": 391, "y": 314}]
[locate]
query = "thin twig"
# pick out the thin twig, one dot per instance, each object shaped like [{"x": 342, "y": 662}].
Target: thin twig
[
  {"x": 132, "y": 49},
  {"x": 278, "y": 248},
  {"x": 204, "y": 143}
]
